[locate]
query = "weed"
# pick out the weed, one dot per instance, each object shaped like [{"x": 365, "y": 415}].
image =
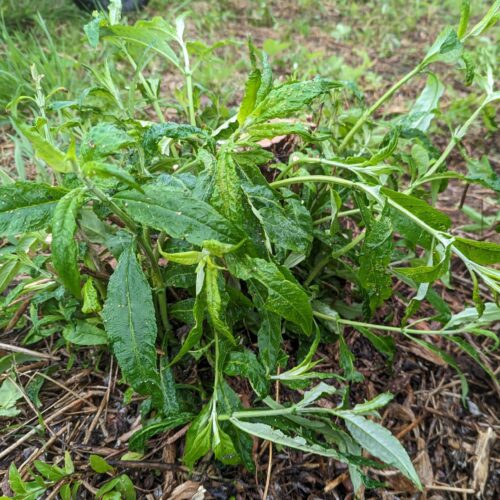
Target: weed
[{"x": 156, "y": 224}]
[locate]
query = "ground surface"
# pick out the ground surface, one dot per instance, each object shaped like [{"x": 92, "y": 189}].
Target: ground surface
[{"x": 452, "y": 444}]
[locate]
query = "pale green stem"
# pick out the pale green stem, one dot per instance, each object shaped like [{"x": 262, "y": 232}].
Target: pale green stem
[
  {"x": 457, "y": 137},
  {"x": 386, "y": 328},
  {"x": 334, "y": 255},
  {"x": 364, "y": 117},
  {"x": 346, "y": 213},
  {"x": 188, "y": 74}
]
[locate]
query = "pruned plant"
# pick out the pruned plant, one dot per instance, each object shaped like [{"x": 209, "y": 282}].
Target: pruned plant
[{"x": 199, "y": 258}]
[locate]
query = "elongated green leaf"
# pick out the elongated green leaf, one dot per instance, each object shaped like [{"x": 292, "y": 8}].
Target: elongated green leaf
[
  {"x": 196, "y": 332},
  {"x": 482, "y": 252},
  {"x": 482, "y": 172},
  {"x": 283, "y": 101},
  {"x": 227, "y": 195},
  {"x": 251, "y": 88},
  {"x": 129, "y": 318},
  {"x": 27, "y": 206},
  {"x": 488, "y": 20},
  {"x": 107, "y": 171},
  {"x": 103, "y": 140},
  {"x": 265, "y": 431},
  {"x": 178, "y": 214},
  {"x": 269, "y": 334},
  {"x": 422, "y": 111},
  {"x": 150, "y": 35},
  {"x": 46, "y": 151},
  {"x": 425, "y": 212},
  {"x": 374, "y": 261},
  {"x": 447, "y": 48},
  {"x": 138, "y": 440},
  {"x": 85, "y": 334},
  {"x": 285, "y": 297},
  {"x": 245, "y": 364},
  {"x": 214, "y": 302},
  {"x": 172, "y": 130},
  {"x": 199, "y": 437},
  {"x": 64, "y": 246},
  {"x": 8, "y": 271},
  {"x": 379, "y": 442}
]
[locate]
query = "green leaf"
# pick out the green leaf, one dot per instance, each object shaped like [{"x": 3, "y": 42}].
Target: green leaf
[
  {"x": 178, "y": 214},
  {"x": 45, "y": 150},
  {"x": 316, "y": 393},
  {"x": 99, "y": 465},
  {"x": 374, "y": 404},
  {"x": 16, "y": 483},
  {"x": 422, "y": 111},
  {"x": 50, "y": 472},
  {"x": 285, "y": 297},
  {"x": 380, "y": 443},
  {"x": 250, "y": 97},
  {"x": 108, "y": 170},
  {"x": 490, "y": 18},
  {"x": 9, "y": 395},
  {"x": 198, "y": 437},
  {"x": 170, "y": 403},
  {"x": 91, "y": 302},
  {"x": 103, "y": 140},
  {"x": 481, "y": 252},
  {"x": 227, "y": 195},
  {"x": 482, "y": 172},
  {"x": 185, "y": 258},
  {"x": 268, "y": 130},
  {"x": 464, "y": 18},
  {"x": 245, "y": 364},
  {"x": 374, "y": 260},
  {"x": 150, "y": 35},
  {"x": 122, "y": 485},
  {"x": 283, "y": 101},
  {"x": 384, "y": 344},
  {"x": 138, "y": 439},
  {"x": 447, "y": 48},
  {"x": 130, "y": 321},
  {"x": 27, "y": 206},
  {"x": 425, "y": 212},
  {"x": 64, "y": 246},
  {"x": 223, "y": 447},
  {"x": 427, "y": 274},
  {"x": 214, "y": 302},
  {"x": 269, "y": 334},
  {"x": 172, "y": 130},
  {"x": 8, "y": 271},
  {"x": 195, "y": 334},
  {"x": 346, "y": 361},
  {"x": 85, "y": 334},
  {"x": 265, "y": 431}
]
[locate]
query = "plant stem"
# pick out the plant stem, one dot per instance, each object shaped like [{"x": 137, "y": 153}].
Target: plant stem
[
  {"x": 188, "y": 74},
  {"x": 143, "y": 242},
  {"x": 457, "y": 137},
  {"x": 327, "y": 218},
  {"x": 364, "y": 117},
  {"x": 387, "y": 328},
  {"x": 334, "y": 255}
]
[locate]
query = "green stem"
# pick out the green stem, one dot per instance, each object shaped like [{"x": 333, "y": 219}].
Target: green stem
[
  {"x": 364, "y": 117},
  {"x": 366, "y": 189},
  {"x": 327, "y": 218},
  {"x": 397, "y": 329},
  {"x": 334, "y": 255},
  {"x": 456, "y": 138},
  {"x": 188, "y": 74},
  {"x": 145, "y": 84},
  {"x": 143, "y": 242}
]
